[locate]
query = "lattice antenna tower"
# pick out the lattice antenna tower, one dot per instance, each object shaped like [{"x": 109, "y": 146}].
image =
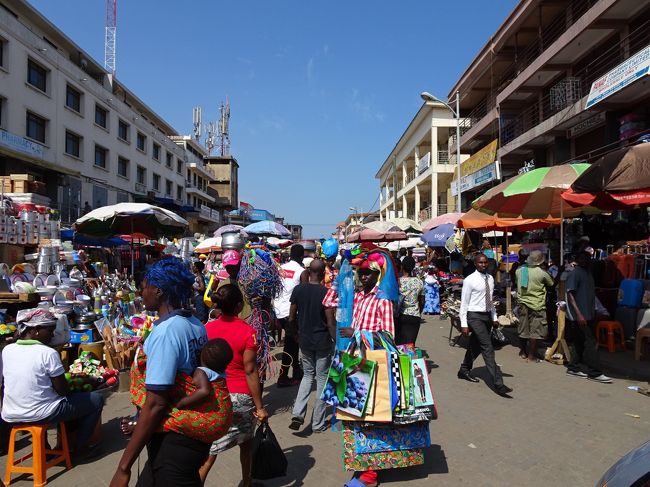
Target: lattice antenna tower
[
  {"x": 197, "y": 122},
  {"x": 110, "y": 36},
  {"x": 223, "y": 136},
  {"x": 210, "y": 131}
]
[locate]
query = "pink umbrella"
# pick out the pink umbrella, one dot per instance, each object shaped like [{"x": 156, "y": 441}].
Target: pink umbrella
[
  {"x": 441, "y": 220},
  {"x": 372, "y": 235}
]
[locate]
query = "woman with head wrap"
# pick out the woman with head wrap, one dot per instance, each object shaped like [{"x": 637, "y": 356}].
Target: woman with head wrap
[
  {"x": 172, "y": 350},
  {"x": 35, "y": 387}
]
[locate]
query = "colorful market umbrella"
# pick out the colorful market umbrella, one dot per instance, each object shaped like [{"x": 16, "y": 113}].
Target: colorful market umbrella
[
  {"x": 208, "y": 245},
  {"x": 441, "y": 220},
  {"x": 125, "y": 218},
  {"x": 617, "y": 180},
  {"x": 437, "y": 237},
  {"x": 369, "y": 235},
  {"x": 534, "y": 194},
  {"x": 409, "y": 243},
  {"x": 267, "y": 228},
  {"x": 407, "y": 225},
  {"x": 230, "y": 229},
  {"x": 474, "y": 219}
]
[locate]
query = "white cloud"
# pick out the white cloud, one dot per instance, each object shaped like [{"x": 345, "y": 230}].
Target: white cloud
[
  {"x": 364, "y": 106},
  {"x": 310, "y": 68}
]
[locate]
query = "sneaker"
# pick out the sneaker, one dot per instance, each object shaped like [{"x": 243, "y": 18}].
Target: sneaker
[
  {"x": 296, "y": 423},
  {"x": 577, "y": 373},
  {"x": 602, "y": 378}
]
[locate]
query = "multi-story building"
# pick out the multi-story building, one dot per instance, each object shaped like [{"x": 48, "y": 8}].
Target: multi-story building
[
  {"x": 66, "y": 122},
  {"x": 415, "y": 177},
  {"x": 198, "y": 206},
  {"x": 225, "y": 181},
  {"x": 353, "y": 222},
  {"x": 558, "y": 81}
]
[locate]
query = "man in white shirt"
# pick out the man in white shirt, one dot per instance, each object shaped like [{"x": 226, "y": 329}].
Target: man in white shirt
[
  {"x": 478, "y": 315},
  {"x": 291, "y": 272}
]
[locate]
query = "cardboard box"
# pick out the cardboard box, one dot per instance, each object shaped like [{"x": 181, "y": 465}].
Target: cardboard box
[
  {"x": 22, "y": 177},
  {"x": 21, "y": 186},
  {"x": 37, "y": 187}
]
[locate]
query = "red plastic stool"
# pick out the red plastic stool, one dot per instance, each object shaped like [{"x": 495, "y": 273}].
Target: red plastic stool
[
  {"x": 609, "y": 339},
  {"x": 39, "y": 466}
]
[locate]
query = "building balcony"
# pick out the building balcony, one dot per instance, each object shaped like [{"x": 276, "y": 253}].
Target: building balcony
[
  {"x": 201, "y": 170},
  {"x": 566, "y": 98},
  {"x": 442, "y": 209},
  {"x": 206, "y": 213},
  {"x": 190, "y": 189}
]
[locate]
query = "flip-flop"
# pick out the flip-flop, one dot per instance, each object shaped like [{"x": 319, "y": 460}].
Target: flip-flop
[{"x": 354, "y": 482}]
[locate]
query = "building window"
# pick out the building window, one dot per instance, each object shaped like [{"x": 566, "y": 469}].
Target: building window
[
  {"x": 101, "y": 116},
  {"x": 2, "y": 52},
  {"x": 142, "y": 175},
  {"x": 156, "y": 152},
  {"x": 72, "y": 144},
  {"x": 141, "y": 142},
  {"x": 37, "y": 75},
  {"x": 101, "y": 156},
  {"x": 36, "y": 127},
  {"x": 2, "y": 111},
  {"x": 168, "y": 187},
  {"x": 123, "y": 167},
  {"x": 123, "y": 130},
  {"x": 170, "y": 158},
  {"x": 156, "y": 182},
  {"x": 179, "y": 192},
  {"x": 179, "y": 166},
  {"x": 73, "y": 99}
]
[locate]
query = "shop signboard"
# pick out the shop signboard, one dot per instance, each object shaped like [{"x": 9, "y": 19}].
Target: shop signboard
[
  {"x": 586, "y": 125},
  {"x": 618, "y": 78},
  {"x": 424, "y": 163},
  {"x": 484, "y": 157},
  {"x": 19, "y": 144},
  {"x": 479, "y": 178}
]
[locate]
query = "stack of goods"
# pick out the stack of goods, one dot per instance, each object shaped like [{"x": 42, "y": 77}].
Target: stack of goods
[
  {"x": 260, "y": 279},
  {"x": 631, "y": 124},
  {"x": 119, "y": 349},
  {"x": 86, "y": 374},
  {"x": 382, "y": 394},
  {"x": 632, "y": 306}
]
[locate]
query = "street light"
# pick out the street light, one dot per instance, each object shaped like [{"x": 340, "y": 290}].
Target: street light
[{"x": 426, "y": 96}]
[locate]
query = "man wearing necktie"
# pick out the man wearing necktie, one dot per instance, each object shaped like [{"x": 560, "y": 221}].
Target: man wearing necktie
[{"x": 478, "y": 316}]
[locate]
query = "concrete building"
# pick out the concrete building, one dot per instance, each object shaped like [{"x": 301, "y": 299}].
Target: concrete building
[
  {"x": 66, "y": 122},
  {"x": 225, "y": 181},
  {"x": 558, "y": 81},
  {"x": 415, "y": 177},
  {"x": 353, "y": 222}
]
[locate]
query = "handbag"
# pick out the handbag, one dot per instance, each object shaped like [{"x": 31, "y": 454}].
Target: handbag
[{"x": 498, "y": 338}]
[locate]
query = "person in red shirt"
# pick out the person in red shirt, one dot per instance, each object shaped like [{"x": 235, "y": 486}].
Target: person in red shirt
[{"x": 242, "y": 378}]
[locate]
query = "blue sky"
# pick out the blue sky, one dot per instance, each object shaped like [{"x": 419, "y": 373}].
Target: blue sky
[{"x": 319, "y": 91}]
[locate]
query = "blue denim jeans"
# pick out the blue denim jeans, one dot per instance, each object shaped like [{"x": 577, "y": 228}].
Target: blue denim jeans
[
  {"x": 315, "y": 365},
  {"x": 84, "y": 408}
]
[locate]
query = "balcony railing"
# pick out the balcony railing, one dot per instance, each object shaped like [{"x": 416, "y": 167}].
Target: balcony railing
[
  {"x": 569, "y": 15},
  {"x": 443, "y": 157},
  {"x": 479, "y": 111},
  {"x": 207, "y": 212},
  {"x": 571, "y": 90}
]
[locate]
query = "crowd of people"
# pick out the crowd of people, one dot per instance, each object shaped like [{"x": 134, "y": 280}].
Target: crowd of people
[{"x": 199, "y": 365}]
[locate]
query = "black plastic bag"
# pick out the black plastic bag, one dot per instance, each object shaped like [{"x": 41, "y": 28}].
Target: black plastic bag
[{"x": 269, "y": 461}]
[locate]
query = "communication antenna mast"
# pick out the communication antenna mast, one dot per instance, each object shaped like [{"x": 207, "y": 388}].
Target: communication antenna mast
[
  {"x": 196, "y": 122},
  {"x": 223, "y": 135},
  {"x": 210, "y": 130},
  {"x": 109, "y": 38}
]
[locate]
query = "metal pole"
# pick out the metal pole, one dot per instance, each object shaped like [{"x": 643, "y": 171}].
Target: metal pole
[{"x": 458, "y": 194}]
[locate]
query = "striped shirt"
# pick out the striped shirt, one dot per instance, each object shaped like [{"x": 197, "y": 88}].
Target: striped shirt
[{"x": 368, "y": 313}]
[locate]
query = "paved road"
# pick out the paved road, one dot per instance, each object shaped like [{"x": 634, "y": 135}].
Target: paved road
[{"x": 556, "y": 430}]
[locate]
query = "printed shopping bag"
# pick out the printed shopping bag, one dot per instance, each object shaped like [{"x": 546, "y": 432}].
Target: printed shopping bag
[
  {"x": 348, "y": 383},
  {"x": 405, "y": 371},
  {"x": 379, "y": 407},
  {"x": 423, "y": 396}
]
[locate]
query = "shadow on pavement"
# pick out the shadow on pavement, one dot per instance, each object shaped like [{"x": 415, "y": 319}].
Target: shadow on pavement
[
  {"x": 435, "y": 462},
  {"x": 300, "y": 462},
  {"x": 279, "y": 400},
  {"x": 112, "y": 441}
]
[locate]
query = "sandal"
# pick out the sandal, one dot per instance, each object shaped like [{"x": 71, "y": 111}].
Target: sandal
[{"x": 354, "y": 482}]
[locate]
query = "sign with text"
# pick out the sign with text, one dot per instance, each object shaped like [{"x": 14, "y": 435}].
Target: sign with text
[
  {"x": 479, "y": 178},
  {"x": 618, "y": 78},
  {"x": 19, "y": 144},
  {"x": 586, "y": 125},
  {"x": 484, "y": 157},
  {"x": 424, "y": 163}
]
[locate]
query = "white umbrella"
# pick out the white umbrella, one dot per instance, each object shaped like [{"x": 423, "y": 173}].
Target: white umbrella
[
  {"x": 208, "y": 245},
  {"x": 407, "y": 224},
  {"x": 409, "y": 243},
  {"x": 382, "y": 226}
]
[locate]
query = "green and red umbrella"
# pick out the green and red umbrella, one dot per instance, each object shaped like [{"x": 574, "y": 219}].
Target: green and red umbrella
[{"x": 534, "y": 194}]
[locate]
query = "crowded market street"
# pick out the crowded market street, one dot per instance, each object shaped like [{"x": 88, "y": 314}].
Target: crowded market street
[{"x": 556, "y": 429}]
